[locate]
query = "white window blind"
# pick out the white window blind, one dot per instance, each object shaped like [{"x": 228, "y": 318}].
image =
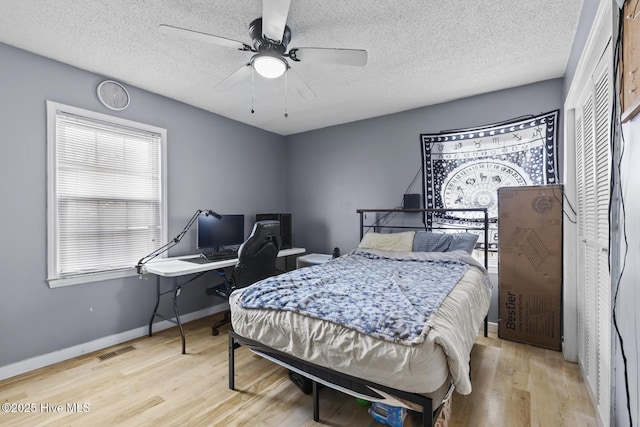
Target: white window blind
[{"x": 106, "y": 204}]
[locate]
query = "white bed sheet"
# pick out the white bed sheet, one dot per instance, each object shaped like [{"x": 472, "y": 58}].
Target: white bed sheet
[{"x": 423, "y": 368}]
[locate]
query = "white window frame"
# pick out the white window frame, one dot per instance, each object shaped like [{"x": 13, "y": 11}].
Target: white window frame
[{"x": 53, "y": 277}]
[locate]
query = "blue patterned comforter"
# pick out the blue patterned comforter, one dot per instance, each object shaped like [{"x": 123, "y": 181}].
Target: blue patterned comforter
[{"x": 382, "y": 294}]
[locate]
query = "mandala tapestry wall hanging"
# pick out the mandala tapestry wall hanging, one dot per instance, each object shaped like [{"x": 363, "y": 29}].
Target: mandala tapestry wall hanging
[{"x": 465, "y": 168}]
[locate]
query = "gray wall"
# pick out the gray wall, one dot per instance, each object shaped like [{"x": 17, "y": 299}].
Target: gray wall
[
  {"x": 369, "y": 164},
  {"x": 213, "y": 163}
]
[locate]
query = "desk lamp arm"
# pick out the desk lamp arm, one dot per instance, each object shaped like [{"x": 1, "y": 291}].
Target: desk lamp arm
[{"x": 162, "y": 249}]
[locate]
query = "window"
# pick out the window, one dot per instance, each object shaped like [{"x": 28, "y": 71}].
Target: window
[{"x": 106, "y": 194}]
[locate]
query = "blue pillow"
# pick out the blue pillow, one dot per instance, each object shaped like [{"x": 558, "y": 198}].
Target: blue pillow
[
  {"x": 425, "y": 241},
  {"x": 463, "y": 241}
]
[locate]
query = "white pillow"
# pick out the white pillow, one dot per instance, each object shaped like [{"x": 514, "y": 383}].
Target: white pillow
[{"x": 398, "y": 242}]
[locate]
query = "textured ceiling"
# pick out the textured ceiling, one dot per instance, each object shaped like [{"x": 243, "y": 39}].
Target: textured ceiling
[{"x": 420, "y": 52}]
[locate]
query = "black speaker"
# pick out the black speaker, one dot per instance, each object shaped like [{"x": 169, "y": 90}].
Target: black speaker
[
  {"x": 285, "y": 227},
  {"x": 411, "y": 201}
]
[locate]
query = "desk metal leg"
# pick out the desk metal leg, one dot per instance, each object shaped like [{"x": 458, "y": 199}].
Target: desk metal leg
[
  {"x": 175, "y": 294},
  {"x": 285, "y": 260},
  {"x": 155, "y": 309}
]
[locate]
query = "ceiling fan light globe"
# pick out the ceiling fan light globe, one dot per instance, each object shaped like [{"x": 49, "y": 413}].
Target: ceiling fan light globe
[{"x": 268, "y": 66}]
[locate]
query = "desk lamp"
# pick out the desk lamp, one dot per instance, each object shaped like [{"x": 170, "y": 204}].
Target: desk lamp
[{"x": 175, "y": 240}]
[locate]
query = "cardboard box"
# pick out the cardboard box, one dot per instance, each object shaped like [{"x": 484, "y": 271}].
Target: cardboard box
[{"x": 530, "y": 265}]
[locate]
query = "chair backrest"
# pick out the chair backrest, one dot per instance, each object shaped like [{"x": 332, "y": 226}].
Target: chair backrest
[{"x": 258, "y": 254}]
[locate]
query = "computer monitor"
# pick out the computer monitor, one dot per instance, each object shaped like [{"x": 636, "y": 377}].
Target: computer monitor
[{"x": 214, "y": 233}]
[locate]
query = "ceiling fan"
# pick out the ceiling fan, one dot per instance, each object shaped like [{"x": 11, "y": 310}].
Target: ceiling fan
[{"x": 270, "y": 37}]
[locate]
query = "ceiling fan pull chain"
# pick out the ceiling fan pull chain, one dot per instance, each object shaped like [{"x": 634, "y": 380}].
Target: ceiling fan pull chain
[
  {"x": 252, "y": 90},
  {"x": 286, "y": 113}
]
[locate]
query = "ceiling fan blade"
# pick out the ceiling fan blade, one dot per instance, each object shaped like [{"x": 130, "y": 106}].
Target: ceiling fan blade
[
  {"x": 356, "y": 57},
  {"x": 274, "y": 18},
  {"x": 235, "y": 78},
  {"x": 204, "y": 37},
  {"x": 296, "y": 83}
]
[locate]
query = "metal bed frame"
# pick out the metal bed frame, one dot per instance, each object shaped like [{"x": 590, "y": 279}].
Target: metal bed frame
[{"x": 343, "y": 382}]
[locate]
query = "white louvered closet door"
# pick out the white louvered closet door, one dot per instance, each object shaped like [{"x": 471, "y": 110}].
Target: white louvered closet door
[{"x": 592, "y": 123}]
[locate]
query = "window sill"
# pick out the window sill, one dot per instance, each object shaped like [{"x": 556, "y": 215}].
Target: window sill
[{"x": 90, "y": 278}]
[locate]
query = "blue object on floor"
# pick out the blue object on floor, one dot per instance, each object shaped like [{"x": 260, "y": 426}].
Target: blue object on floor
[{"x": 390, "y": 415}]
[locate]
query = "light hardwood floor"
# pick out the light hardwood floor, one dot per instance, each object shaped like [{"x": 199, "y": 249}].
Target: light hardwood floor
[{"x": 153, "y": 384}]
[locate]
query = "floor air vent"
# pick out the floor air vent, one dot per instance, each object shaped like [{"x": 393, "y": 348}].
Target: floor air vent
[{"x": 116, "y": 352}]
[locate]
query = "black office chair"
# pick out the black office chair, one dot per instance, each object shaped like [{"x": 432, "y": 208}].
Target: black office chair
[{"x": 256, "y": 261}]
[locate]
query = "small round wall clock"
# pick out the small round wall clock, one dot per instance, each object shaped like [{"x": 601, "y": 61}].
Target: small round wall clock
[{"x": 113, "y": 95}]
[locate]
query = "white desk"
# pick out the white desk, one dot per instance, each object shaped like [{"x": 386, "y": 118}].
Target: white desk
[{"x": 176, "y": 267}]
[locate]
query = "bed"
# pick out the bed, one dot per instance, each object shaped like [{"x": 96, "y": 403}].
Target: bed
[{"x": 391, "y": 321}]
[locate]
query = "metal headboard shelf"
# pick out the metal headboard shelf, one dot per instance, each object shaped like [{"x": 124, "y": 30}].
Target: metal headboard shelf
[{"x": 484, "y": 227}]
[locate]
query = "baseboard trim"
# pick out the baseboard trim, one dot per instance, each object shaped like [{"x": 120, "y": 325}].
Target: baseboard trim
[{"x": 37, "y": 362}]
